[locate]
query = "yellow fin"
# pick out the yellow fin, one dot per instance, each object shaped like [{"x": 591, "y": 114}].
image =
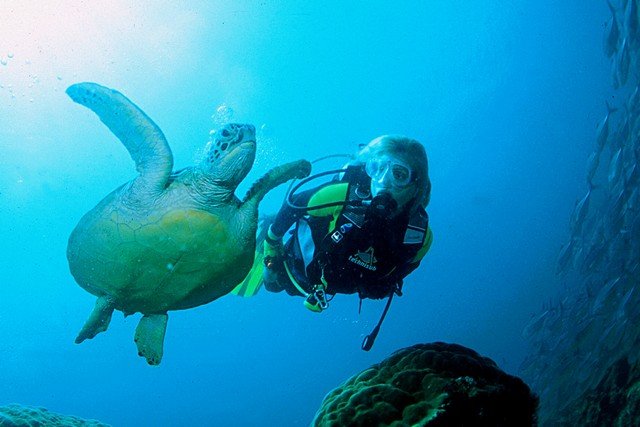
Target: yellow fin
[{"x": 252, "y": 283}]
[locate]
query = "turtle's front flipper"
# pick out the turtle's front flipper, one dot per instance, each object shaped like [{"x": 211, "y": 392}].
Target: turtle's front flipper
[
  {"x": 140, "y": 135},
  {"x": 150, "y": 337},
  {"x": 276, "y": 176},
  {"x": 98, "y": 320}
]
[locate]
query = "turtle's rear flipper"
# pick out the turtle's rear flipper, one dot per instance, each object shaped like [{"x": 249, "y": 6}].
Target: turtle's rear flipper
[
  {"x": 150, "y": 337},
  {"x": 98, "y": 320}
]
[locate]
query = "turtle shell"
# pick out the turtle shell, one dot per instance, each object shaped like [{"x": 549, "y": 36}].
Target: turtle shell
[{"x": 168, "y": 259}]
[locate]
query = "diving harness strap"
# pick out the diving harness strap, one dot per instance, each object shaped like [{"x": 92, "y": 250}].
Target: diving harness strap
[{"x": 318, "y": 293}]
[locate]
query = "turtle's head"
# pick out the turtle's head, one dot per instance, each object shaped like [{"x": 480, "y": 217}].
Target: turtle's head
[{"x": 230, "y": 154}]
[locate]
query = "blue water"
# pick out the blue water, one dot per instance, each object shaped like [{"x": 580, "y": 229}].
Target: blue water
[{"x": 505, "y": 97}]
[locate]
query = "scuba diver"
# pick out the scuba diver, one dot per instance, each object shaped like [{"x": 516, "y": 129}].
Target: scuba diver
[{"x": 363, "y": 232}]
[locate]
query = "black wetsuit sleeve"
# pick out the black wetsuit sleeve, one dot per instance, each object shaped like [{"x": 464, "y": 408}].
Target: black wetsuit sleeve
[
  {"x": 287, "y": 215},
  {"x": 383, "y": 287},
  {"x": 405, "y": 270},
  {"x": 411, "y": 264}
]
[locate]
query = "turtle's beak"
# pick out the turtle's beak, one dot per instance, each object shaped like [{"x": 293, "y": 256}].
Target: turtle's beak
[{"x": 248, "y": 134}]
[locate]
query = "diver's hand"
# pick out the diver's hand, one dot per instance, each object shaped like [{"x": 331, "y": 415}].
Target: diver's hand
[
  {"x": 272, "y": 250},
  {"x": 273, "y": 254}
]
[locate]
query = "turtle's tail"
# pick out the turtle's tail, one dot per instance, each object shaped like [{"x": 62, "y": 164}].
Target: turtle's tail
[{"x": 276, "y": 176}]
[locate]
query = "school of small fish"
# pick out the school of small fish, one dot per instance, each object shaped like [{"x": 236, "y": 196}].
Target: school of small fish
[{"x": 596, "y": 318}]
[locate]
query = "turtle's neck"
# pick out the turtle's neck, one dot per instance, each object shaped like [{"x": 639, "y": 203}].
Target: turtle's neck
[{"x": 209, "y": 189}]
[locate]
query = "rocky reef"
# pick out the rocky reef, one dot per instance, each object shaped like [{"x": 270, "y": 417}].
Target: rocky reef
[
  {"x": 615, "y": 401},
  {"x": 436, "y": 384},
  {"x": 28, "y": 416},
  {"x": 592, "y": 321}
]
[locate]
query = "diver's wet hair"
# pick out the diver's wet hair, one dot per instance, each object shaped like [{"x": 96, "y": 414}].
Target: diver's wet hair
[{"x": 409, "y": 150}]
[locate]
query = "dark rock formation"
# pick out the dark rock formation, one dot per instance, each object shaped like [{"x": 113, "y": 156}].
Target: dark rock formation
[{"x": 434, "y": 384}]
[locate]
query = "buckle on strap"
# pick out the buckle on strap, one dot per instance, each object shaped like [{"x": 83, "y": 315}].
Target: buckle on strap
[
  {"x": 321, "y": 296},
  {"x": 317, "y": 301}
]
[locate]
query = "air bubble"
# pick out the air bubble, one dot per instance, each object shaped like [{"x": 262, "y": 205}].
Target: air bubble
[
  {"x": 3, "y": 61},
  {"x": 10, "y": 55},
  {"x": 264, "y": 132},
  {"x": 223, "y": 115}
]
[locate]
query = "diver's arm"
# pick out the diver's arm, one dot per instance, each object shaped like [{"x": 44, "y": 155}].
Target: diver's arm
[
  {"x": 426, "y": 245},
  {"x": 407, "y": 268},
  {"x": 383, "y": 287},
  {"x": 287, "y": 215},
  {"x": 272, "y": 249},
  {"x": 326, "y": 194}
]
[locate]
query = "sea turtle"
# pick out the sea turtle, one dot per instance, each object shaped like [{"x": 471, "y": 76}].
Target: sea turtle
[{"x": 166, "y": 241}]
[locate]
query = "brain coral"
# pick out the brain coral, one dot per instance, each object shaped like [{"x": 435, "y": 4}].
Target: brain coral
[
  {"x": 435, "y": 384},
  {"x": 26, "y": 416}
]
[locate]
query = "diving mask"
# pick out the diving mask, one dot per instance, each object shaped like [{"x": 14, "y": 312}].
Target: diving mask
[{"x": 389, "y": 170}]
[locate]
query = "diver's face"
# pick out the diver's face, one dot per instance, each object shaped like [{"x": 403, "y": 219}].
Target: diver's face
[{"x": 392, "y": 175}]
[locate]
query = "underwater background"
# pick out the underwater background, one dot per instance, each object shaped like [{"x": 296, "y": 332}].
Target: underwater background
[{"x": 505, "y": 96}]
